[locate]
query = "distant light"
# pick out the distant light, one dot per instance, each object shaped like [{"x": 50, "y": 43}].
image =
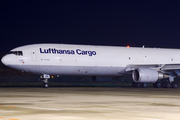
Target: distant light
[{"x": 127, "y": 46}]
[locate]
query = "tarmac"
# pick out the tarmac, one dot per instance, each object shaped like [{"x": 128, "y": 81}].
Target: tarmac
[{"x": 89, "y": 103}]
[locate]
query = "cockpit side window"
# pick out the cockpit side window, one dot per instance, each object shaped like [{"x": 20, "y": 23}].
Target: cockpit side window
[{"x": 18, "y": 53}]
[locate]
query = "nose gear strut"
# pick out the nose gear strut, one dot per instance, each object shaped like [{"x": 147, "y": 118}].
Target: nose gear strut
[{"x": 45, "y": 78}]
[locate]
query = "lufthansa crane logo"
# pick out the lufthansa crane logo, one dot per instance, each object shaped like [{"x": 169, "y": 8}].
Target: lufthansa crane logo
[{"x": 21, "y": 61}]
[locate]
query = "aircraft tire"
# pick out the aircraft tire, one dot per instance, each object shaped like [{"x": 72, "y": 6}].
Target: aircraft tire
[
  {"x": 175, "y": 85},
  {"x": 168, "y": 85},
  {"x": 45, "y": 85},
  {"x": 157, "y": 85},
  {"x": 144, "y": 85}
]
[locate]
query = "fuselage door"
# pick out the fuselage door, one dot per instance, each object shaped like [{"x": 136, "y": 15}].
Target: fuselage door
[{"x": 33, "y": 56}]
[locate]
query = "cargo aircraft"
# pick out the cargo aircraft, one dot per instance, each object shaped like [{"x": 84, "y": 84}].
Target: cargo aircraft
[{"x": 145, "y": 65}]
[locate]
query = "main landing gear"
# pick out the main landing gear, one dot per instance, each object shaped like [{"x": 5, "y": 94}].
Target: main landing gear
[
  {"x": 166, "y": 85},
  {"x": 139, "y": 85},
  {"x": 157, "y": 85},
  {"x": 45, "y": 78},
  {"x": 169, "y": 84}
]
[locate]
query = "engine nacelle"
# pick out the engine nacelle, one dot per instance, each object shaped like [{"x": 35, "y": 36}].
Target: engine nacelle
[{"x": 146, "y": 75}]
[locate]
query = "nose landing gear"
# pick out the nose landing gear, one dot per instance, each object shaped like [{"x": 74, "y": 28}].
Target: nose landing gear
[
  {"x": 45, "y": 80},
  {"x": 45, "y": 84}
]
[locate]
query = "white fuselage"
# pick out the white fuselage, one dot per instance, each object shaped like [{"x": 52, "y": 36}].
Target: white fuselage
[{"x": 63, "y": 59}]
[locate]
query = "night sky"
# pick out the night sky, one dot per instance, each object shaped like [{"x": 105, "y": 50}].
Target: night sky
[{"x": 93, "y": 22}]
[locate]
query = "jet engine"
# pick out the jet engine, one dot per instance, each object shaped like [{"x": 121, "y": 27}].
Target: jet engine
[{"x": 146, "y": 75}]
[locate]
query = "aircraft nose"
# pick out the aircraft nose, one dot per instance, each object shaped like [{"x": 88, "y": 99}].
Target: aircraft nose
[{"x": 5, "y": 60}]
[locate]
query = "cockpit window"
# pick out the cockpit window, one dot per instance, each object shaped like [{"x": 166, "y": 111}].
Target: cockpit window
[{"x": 19, "y": 53}]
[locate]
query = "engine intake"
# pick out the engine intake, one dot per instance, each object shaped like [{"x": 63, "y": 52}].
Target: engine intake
[{"x": 146, "y": 75}]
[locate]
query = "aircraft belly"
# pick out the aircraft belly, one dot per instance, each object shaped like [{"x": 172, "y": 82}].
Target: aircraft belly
[
  {"x": 81, "y": 70},
  {"x": 71, "y": 70}
]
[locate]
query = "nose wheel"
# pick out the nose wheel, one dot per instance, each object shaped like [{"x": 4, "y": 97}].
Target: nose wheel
[{"x": 45, "y": 84}]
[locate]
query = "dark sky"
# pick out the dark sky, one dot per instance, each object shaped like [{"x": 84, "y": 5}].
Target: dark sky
[{"x": 94, "y": 22}]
